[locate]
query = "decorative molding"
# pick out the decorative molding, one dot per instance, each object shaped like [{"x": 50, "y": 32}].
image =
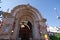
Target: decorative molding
[
  {"x": 7, "y": 15},
  {"x": 43, "y": 20}
]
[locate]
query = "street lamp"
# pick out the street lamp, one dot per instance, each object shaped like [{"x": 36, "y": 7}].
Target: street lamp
[
  {"x": 57, "y": 13},
  {"x": 58, "y": 17}
]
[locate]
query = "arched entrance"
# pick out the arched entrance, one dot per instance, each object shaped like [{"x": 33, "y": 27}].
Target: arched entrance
[
  {"x": 21, "y": 12},
  {"x": 25, "y": 31}
]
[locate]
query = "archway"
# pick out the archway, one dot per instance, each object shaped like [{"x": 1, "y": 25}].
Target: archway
[
  {"x": 25, "y": 31},
  {"x": 21, "y": 12}
]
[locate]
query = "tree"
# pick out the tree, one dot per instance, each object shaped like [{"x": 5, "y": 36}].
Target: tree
[
  {"x": 58, "y": 36},
  {"x": 53, "y": 37}
]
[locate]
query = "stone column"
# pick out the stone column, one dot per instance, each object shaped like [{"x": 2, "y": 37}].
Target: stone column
[
  {"x": 15, "y": 30},
  {"x": 43, "y": 28},
  {"x": 36, "y": 35}
]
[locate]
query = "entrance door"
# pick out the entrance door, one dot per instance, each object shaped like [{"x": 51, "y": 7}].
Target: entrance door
[{"x": 25, "y": 32}]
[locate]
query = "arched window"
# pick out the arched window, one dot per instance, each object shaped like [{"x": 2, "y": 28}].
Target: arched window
[
  {"x": 6, "y": 28},
  {"x": 0, "y": 20}
]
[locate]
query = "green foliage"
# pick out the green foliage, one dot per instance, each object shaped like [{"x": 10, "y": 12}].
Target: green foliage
[
  {"x": 57, "y": 37},
  {"x": 53, "y": 38}
]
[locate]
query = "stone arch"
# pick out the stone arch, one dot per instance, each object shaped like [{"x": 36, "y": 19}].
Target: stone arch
[
  {"x": 28, "y": 8},
  {"x": 32, "y": 14}
]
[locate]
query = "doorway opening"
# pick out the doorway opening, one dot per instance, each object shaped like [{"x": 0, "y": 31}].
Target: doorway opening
[{"x": 25, "y": 32}]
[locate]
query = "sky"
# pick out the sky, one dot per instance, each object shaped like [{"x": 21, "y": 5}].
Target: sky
[{"x": 45, "y": 7}]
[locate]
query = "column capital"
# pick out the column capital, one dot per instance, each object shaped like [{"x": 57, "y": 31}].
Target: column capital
[{"x": 43, "y": 20}]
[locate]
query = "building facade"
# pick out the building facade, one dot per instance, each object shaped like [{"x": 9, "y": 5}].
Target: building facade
[{"x": 23, "y": 23}]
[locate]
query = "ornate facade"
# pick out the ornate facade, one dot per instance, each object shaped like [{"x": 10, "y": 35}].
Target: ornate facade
[{"x": 23, "y": 23}]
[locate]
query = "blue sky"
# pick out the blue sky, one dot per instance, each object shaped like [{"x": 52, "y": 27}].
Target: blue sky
[{"x": 45, "y": 7}]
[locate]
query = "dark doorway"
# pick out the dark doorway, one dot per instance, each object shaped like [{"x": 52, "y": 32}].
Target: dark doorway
[{"x": 26, "y": 32}]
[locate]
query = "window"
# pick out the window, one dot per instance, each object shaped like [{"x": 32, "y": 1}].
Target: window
[
  {"x": 6, "y": 29},
  {"x": 1, "y": 18}
]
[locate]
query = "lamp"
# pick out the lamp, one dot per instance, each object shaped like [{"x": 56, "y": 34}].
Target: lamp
[
  {"x": 12, "y": 31},
  {"x": 22, "y": 26}
]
